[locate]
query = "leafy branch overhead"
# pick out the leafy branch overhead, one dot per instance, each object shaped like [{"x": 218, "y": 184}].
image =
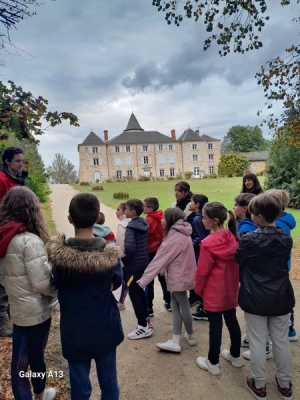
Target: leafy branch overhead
[
  {"x": 236, "y": 25},
  {"x": 23, "y": 114}
]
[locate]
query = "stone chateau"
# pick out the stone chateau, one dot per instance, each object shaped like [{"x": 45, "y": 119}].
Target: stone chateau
[{"x": 136, "y": 152}]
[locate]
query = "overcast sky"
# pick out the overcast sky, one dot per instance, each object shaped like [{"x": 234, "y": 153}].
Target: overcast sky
[{"x": 103, "y": 59}]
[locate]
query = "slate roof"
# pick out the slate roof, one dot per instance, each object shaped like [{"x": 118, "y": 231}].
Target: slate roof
[
  {"x": 92, "y": 139},
  {"x": 133, "y": 124},
  {"x": 191, "y": 136},
  {"x": 257, "y": 155}
]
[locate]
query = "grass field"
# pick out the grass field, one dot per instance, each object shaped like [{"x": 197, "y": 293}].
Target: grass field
[{"x": 222, "y": 189}]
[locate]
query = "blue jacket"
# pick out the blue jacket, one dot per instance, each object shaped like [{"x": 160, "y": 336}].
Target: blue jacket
[
  {"x": 286, "y": 222},
  {"x": 245, "y": 226},
  {"x": 198, "y": 233},
  {"x": 84, "y": 271},
  {"x": 136, "y": 246}
]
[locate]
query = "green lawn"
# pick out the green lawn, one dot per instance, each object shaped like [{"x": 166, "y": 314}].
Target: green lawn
[{"x": 222, "y": 189}]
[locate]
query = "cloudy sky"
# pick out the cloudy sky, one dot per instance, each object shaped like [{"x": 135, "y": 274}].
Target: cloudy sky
[{"x": 103, "y": 59}]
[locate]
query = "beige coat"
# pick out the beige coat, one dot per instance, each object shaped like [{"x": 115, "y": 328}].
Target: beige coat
[{"x": 26, "y": 275}]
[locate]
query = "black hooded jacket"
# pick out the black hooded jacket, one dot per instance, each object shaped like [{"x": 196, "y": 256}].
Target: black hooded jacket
[{"x": 263, "y": 257}]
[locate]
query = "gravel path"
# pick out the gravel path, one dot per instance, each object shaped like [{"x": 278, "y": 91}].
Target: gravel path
[{"x": 145, "y": 373}]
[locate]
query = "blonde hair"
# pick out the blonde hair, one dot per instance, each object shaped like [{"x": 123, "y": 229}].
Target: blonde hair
[{"x": 282, "y": 195}]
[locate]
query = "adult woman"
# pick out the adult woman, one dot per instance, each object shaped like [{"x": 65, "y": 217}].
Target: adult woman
[
  {"x": 183, "y": 196},
  {"x": 251, "y": 184}
]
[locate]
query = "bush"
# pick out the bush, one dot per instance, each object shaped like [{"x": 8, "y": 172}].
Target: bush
[
  {"x": 40, "y": 189},
  {"x": 210, "y": 176},
  {"x": 77, "y": 181},
  {"x": 179, "y": 176},
  {"x": 121, "y": 195},
  {"x": 170, "y": 178},
  {"x": 143, "y": 178},
  {"x": 188, "y": 174},
  {"x": 84, "y": 184},
  {"x": 98, "y": 187},
  {"x": 109, "y": 181}
]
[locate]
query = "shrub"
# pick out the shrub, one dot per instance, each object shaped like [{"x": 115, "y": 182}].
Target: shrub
[
  {"x": 143, "y": 178},
  {"x": 77, "y": 181},
  {"x": 98, "y": 187},
  {"x": 84, "y": 184},
  {"x": 121, "y": 195},
  {"x": 109, "y": 181},
  {"x": 179, "y": 176},
  {"x": 188, "y": 174}
]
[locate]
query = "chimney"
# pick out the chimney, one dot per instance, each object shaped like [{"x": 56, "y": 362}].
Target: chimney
[
  {"x": 105, "y": 136},
  {"x": 173, "y": 134},
  {"x": 197, "y": 132}
]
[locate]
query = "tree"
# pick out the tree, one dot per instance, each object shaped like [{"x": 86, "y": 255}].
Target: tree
[
  {"x": 22, "y": 113},
  {"x": 236, "y": 26},
  {"x": 61, "y": 170},
  {"x": 242, "y": 139},
  {"x": 233, "y": 164}
]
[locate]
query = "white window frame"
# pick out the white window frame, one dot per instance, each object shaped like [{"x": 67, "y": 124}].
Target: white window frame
[
  {"x": 210, "y": 146},
  {"x": 194, "y": 146},
  {"x": 172, "y": 172},
  {"x": 129, "y": 173},
  {"x": 171, "y": 147},
  {"x": 96, "y": 162},
  {"x": 118, "y": 174},
  {"x": 195, "y": 157},
  {"x": 196, "y": 171},
  {"x": 117, "y": 149},
  {"x": 160, "y": 147},
  {"x": 146, "y": 160},
  {"x": 210, "y": 157},
  {"x": 211, "y": 169},
  {"x": 161, "y": 173},
  {"x": 145, "y": 148},
  {"x": 95, "y": 150},
  {"x": 127, "y": 149}
]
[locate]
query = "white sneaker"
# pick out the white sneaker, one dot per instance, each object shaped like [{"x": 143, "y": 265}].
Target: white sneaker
[
  {"x": 140, "y": 332},
  {"x": 169, "y": 345},
  {"x": 269, "y": 354},
  {"x": 191, "y": 339},
  {"x": 204, "y": 363},
  {"x": 49, "y": 394},
  {"x": 244, "y": 340},
  {"x": 235, "y": 361}
]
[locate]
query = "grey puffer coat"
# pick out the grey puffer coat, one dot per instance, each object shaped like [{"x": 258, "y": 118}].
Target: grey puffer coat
[{"x": 27, "y": 277}]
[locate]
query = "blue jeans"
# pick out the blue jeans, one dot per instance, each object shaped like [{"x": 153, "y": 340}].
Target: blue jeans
[{"x": 81, "y": 387}]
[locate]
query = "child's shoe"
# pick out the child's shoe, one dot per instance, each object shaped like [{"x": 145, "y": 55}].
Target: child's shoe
[
  {"x": 169, "y": 345},
  {"x": 191, "y": 339},
  {"x": 168, "y": 307},
  {"x": 235, "y": 361},
  {"x": 200, "y": 315},
  {"x": 149, "y": 323},
  {"x": 150, "y": 312},
  {"x": 244, "y": 341},
  {"x": 260, "y": 393},
  {"x": 140, "y": 332},
  {"x": 49, "y": 394},
  {"x": 286, "y": 393},
  {"x": 293, "y": 336},
  {"x": 204, "y": 363},
  {"x": 269, "y": 354}
]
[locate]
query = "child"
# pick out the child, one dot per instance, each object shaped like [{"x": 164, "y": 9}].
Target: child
[
  {"x": 198, "y": 234},
  {"x": 121, "y": 229},
  {"x": 244, "y": 221},
  {"x": 286, "y": 222},
  {"x": 251, "y": 184},
  {"x": 135, "y": 262},
  {"x": 175, "y": 257},
  {"x": 86, "y": 270},
  {"x": 154, "y": 217},
  {"x": 27, "y": 279},
  {"x": 217, "y": 281},
  {"x": 104, "y": 231},
  {"x": 266, "y": 294}
]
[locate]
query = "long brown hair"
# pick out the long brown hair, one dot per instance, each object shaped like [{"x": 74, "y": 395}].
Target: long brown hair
[
  {"x": 217, "y": 210},
  {"x": 172, "y": 215},
  {"x": 21, "y": 205}
]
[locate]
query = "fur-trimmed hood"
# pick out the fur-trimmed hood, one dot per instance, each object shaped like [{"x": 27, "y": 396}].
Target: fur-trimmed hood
[{"x": 90, "y": 256}]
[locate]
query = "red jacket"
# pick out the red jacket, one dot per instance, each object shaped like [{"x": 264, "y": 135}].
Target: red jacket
[
  {"x": 155, "y": 230},
  {"x": 6, "y": 183},
  {"x": 217, "y": 275}
]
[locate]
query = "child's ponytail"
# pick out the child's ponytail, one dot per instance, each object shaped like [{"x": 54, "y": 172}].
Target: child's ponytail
[{"x": 232, "y": 225}]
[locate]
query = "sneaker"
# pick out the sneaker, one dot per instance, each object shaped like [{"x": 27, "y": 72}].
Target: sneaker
[
  {"x": 140, "y": 332},
  {"x": 293, "y": 336},
  {"x": 121, "y": 306},
  {"x": 193, "y": 301},
  {"x": 244, "y": 341},
  {"x": 286, "y": 393},
  {"x": 6, "y": 330},
  {"x": 49, "y": 394},
  {"x": 260, "y": 393},
  {"x": 169, "y": 345},
  {"x": 168, "y": 307},
  {"x": 149, "y": 323},
  {"x": 269, "y": 354},
  {"x": 150, "y": 312},
  {"x": 191, "y": 339},
  {"x": 200, "y": 315},
  {"x": 204, "y": 363},
  {"x": 235, "y": 361}
]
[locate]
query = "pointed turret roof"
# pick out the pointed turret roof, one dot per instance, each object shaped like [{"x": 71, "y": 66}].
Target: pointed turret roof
[
  {"x": 92, "y": 139},
  {"x": 191, "y": 136},
  {"x": 133, "y": 124}
]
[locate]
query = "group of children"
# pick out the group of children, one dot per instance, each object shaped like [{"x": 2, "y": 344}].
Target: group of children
[{"x": 246, "y": 264}]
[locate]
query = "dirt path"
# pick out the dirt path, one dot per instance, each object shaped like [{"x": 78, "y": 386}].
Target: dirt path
[{"x": 146, "y": 373}]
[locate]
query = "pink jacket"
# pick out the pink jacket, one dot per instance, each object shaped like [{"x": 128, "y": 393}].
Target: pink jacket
[
  {"x": 175, "y": 257},
  {"x": 217, "y": 275}
]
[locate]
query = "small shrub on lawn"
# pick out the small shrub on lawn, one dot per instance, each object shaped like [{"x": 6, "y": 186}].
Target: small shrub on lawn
[
  {"x": 121, "y": 195},
  {"x": 84, "y": 184},
  {"x": 98, "y": 187}
]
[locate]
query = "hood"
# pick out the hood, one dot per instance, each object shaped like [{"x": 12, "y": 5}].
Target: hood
[
  {"x": 138, "y": 224},
  {"x": 221, "y": 244},
  {"x": 101, "y": 230},
  {"x": 82, "y": 255},
  {"x": 182, "y": 227},
  {"x": 7, "y": 233},
  {"x": 274, "y": 242},
  {"x": 18, "y": 177},
  {"x": 157, "y": 215},
  {"x": 285, "y": 220}
]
